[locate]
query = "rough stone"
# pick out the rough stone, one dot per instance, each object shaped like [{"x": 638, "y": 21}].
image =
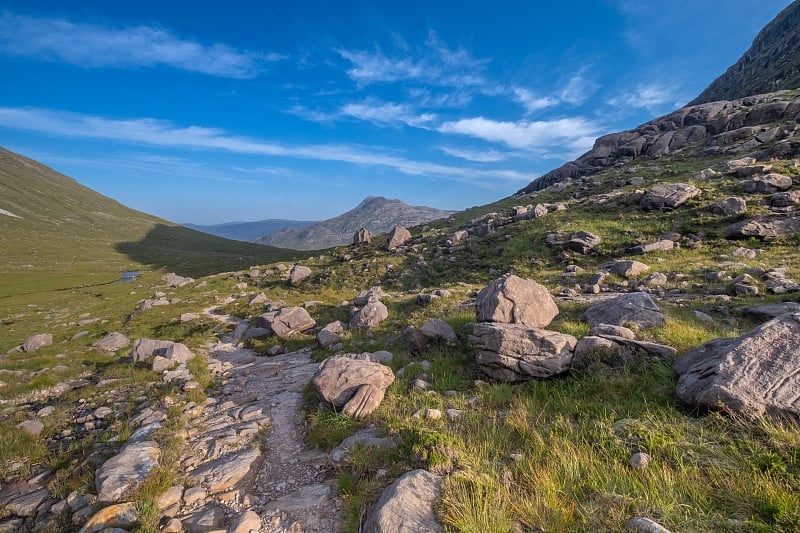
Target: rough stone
[
  {"x": 658, "y": 246},
  {"x": 355, "y": 386},
  {"x": 289, "y": 321},
  {"x": 767, "y": 184},
  {"x": 36, "y": 342},
  {"x": 615, "y": 331},
  {"x": 763, "y": 227},
  {"x": 112, "y": 342},
  {"x": 25, "y": 500},
  {"x": 729, "y": 206},
  {"x": 206, "y": 519},
  {"x": 246, "y": 522},
  {"x": 169, "y": 498},
  {"x": 298, "y": 273},
  {"x": 754, "y": 375},
  {"x": 668, "y": 196},
  {"x": 625, "y": 269},
  {"x": 228, "y": 471},
  {"x": 639, "y": 460},
  {"x": 514, "y": 300},
  {"x": 365, "y": 437},
  {"x": 656, "y": 279},
  {"x": 369, "y": 316},
  {"x": 174, "y": 280},
  {"x": 438, "y": 330},
  {"x": 362, "y": 236},
  {"x": 126, "y": 470},
  {"x": 583, "y": 242},
  {"x": 636, "y": 308},
  {"x": 327, "y": 338},
  {"x": 641, "y": 524},
  {"x": 769, "y": 311},
  {"x": 515, "y": 352},
  {"x": 407, "y": 505},
  {"x": 397, "y": 237},
  {"x": 373, "y": 294},
  {"x": 31, "y": 427},
  {"x": 122, "y": 515}
]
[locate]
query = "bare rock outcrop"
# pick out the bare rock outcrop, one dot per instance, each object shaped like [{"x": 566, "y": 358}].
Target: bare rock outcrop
[
  {"x": 754, "y": 375},
  {"x": 763, "y": 227},
  {"x": 397, "y": 237}
]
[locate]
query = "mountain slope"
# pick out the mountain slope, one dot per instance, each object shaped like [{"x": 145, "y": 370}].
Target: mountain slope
[
  {"x": 49, "y": 223},
  {"x": 376, "y": 213},
  {"x": 249, "y": 231},
  {"x": 772, "y": 63}
]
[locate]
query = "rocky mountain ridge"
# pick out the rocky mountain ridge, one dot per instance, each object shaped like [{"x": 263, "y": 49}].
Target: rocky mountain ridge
[
  {"x": 762, "y": 126},
  {"x": 375, "y": 213}
]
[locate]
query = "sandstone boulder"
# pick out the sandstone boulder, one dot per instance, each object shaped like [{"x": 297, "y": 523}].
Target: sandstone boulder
[
  {"x": 583, "y": 242},
  {"x": 515, "y": 352},
  {"x": 514, "y": 300},
  {"x": 436, "y": 330},
  {"x": 298, "y": 273},
  {"x": 625, "y": 269},
  {"x": 407, "y": 505},
  {"x": 355, "y": 386},
  {"x": 668, "y": 196},
  {"x": 289, "y": 321},
  {"x": 767, "y": 184},
  {"x": 369, "y": 316},
  {"x": 112, "y": 342},
  {"x": 754, "y": 375},
  {"x": 397, "y": 237},
  {"x": 362, "y": 236},
  {"x": 636, "y": 308}
]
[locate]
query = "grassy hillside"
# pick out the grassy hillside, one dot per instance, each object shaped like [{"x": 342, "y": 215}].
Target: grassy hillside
[{"x": 63, "y": 234}]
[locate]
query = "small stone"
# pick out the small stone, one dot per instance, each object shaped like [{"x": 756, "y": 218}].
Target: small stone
[
  {"x": 31, "y": 427},
  {"x": 433, "y": 414},
  {"x": 194, "y": 495},
  {"x": 454, "y": 415},
  {"x": 45, "y": 411},
  {"x": 639, "y": 460}
]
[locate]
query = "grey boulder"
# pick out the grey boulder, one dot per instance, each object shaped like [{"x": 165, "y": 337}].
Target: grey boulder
[
  {"x": 514, "y": 300},
  {"x": 126, "y": 470},
  {"x": 298, "y": 273},
  {"x": 112, "y": 342},
  {"x": 583, "y": 242},
  {"x": 668, "y": 196},
  {"x": 369, "y": 316},
  {"x": 407, "y": 505},
  {"x": 435, "y": 330},
  {"x": 355, "y": 386},
  {"x": 397, "y": 237},
  {"x": 636, "y": 308},
  {"x": 36, "y": 342}
]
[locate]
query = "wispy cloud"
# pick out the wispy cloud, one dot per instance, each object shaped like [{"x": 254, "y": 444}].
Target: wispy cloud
[
  {"x": 378, "y": 112},
  {"x": 490, "y": 156},
  {"x": 533, "y": 102},
  {"x": 93, "y": 45},
  {"x": 646, "y": 96},
  {"x": 154, "y": 132},
  {"x": 524, "y": 134},
  {"x": 577, "y": 90},
  {"x": 436, "y": 65}
]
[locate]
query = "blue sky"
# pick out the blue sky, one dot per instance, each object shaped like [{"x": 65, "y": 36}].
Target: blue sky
[{"x": 298, "y": 110}]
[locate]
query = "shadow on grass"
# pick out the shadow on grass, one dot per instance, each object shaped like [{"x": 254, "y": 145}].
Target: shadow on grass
[{"x": 192, "y": 253}]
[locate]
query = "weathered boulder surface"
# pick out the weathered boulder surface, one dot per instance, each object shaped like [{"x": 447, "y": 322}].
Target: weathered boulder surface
[
  {"x": 126, "y": 470},
  {"x": 658, "y": 246},
  {"x": 112, "y": 342},
  {"x": 174, "y": 280},
  {"x": 369, "y": 316},
  {"x": 406, "y": 506},
  {"x": 767, "y": 184},
  {"x": 668, "y": 196},
  {"x": 514, "y": 300},
  {"x": 636, "y": 308},
  {"x": 397, "y": 237},
  {"x": 366, "y": 437},
  {"x": 435, "y": 329},
  {"x": 228, "y": 471},
  {"x": 625, "y": 269},
  {"x": 769, "y": 311},
  {"x": 36, "y": 342},
  {"x": 298, "y": 273},
  {"x": 287, "y": 321},
  {"x": 355, "y": 386},
  {"x": 763, "y": 227},
  {"x": 145, "y": 349},
  {"x": 583, "y": 242},
  {"x": 515, "y": 352},
  {"x": 729, "y": 206},
  {"x": 754, "y": 375},
  {"x": 373, "y": 294},
  {"x": 122, "y": 516},
  {"x": 362, "y": 236}
]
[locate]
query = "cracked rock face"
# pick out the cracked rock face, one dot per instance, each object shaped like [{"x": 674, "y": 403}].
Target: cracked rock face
[
  {"x": 514, "y": 300},
  {"x": 755, "y": 375},
  {"x": 126, "y": 470},
  {"x": 353, "y": 385}
]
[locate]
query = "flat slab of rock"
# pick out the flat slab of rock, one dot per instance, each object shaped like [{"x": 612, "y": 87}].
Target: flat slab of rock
[
  {"x": 625, "y": 269},
  {"x": 406, "y": 506},
  {"x": 668, "y": 196},
  {"x": 763, "y": 227},
  {"x": 126, "y": 470},
  {"x": 22, "y": 499},
  {"x": 755, "y": 375},
  {"x": 112, "y": 342},
  {"x": 355, "y": 386},
  {"x": 228, "y": 471},
  {"x": 304, "y": 498},
  {"x": 515, "y": 352},
  {"x": 636, "y": 308},
  {"x": 769, "y": 311},
  {"x": 514, "y": 300},
  {"x": 289, "y": 321}
]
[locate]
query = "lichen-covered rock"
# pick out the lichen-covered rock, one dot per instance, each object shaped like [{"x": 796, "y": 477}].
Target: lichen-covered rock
[
  {"x": 668, "y": 196},
  {"x": 514, "y": 300},
  {"x": 369, "y": 316},
  {"x": 126, "y": 470},
  {"x": 636, "y": 308},
  {"x": 754, "y": 375},
  {"x": 729, "y": 206},
  {"x": 515, "y": 352}
]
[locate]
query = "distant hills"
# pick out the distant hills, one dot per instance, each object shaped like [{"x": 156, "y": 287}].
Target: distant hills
[
  {"x": 772, "y": 63},
  {"x": 250, "y": 231},
  {"x": 376, "y": 213},
  {"x": 56, "y": 232}
]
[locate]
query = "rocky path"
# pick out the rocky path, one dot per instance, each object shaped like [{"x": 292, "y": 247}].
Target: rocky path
[{"x": 293, "y": 489}]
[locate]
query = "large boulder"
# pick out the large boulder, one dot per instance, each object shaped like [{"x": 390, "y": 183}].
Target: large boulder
[
  {"x": 636, "y": 308},
  {"x": 369, "y": 316},
  {"x": 298, "y": 273},
  {"x": 373, "y": 294},
  {"x": 754, "y": 375},
  {"x": 668, "y": 196},
  {"x": 228, "y": 471},
  {"x": 174, "y": 280},
  {"x": 437, "y": 330},
  {"x": 763, "y": 227},
  {"x": 625, "y": 269},
  {"x": 145, "y": 349},
  {"x": 515, "y": 352},
  {"x": 583, "y": 242},
  {"x": 362, "y": 236},
  {"x": 729, "y": 206},
  {"x": 289, "y": 321},
  {"x": 36, "y": 342},
  {"x": 407, "y": 505},
  {"x": 514, "y": 300},
  {"x": 112, "y": 342},
  {"x": 768, "y": 184},
  {"x": 126, "y": 470},
  {"x": 355, "y": 386},
  {"x": 397, "y": 237}
]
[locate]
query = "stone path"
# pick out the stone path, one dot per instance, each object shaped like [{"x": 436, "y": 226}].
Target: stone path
[{"x": 293, "y": 490}]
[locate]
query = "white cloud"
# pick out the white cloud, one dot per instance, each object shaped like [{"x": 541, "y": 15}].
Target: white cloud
[
  {"x": 523, "y": 134},
  {"x": 154, "y": 132},
  {"x": 532, "y": 102},
  {"x": 645, "y": 97},
  {"x": 491, "y": 156},
  {"x": 577, "y": 90},
  {"x": 382, "y": 113},
  {"x": 92, "y": 45}
]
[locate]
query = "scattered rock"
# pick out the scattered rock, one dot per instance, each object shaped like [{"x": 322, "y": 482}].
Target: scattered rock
[
  {"x": 769, "y": 311},
  {"x": 228, "y": 471},
  {"x": 112, "y": 342},
  {"x": 514, "y": 300},
  {"x": 369, "y": 316},
  {"x": 583, "y": 242},
  {"x": 326, "y": 338},
  {"x": 397, "y": 237},
  {"x": 515, "y": 352},
  {"x": 641, "y": 524},
  {"x": 625, "y": 269},
  {"x": 767, "y": 184},
  {"x": 298, "y": 273},
  {"x": 436, "y": 330},
  {"x": 25, "y": 499},
  {"x": 729, "y": 206},
  {"x": 407, "y": 505},
  {"x": 763, "y": 227},
  {"x": 122, "y": 515},
  {"x": 656, "y": 279},
  {"x": 174, "y": 280},
  {"x": 36, "y": 342},
  {"x": 289, "y": 321},
  {"x": 126, "y": 470},
  {"x": 365, "y": 437},
  {"x": 247, "y": 522},
  {"x": 636, "y": 308},
  {"x": 668, "y": 196},
  {"x": 259, "y": 298},
  {"x": 144, "y": 349},
  {"x": 31, "y": 427},
  {"x": 639, "y": 460},
  {"x": 355, "y": 386},
  {"x": 660, "y": 246},
  {"x": 362, "y": 236},
  {"x": 753, "y": 375},
  {"x": 373, "y": 294}
]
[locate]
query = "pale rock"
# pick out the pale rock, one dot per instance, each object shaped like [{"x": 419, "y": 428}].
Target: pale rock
[
  {"x": 228, "y": 471},
  {"x": 123, "y": 516},
  {"x": 298, "y": 273},
  {"x": 407, "y": 505},
  {"x": 514, "y": 300},
  {"x": 126, "y": 470},
  {"x": 355, "y": 386},
  {"x": 438, "y": 330},
  {"x": 625, "y": 269},
  {"x": 112, "y": 342},
  {"x": 636, "y": 308},
  {"x": 369, "y": 316},
  {"x": 31, "y": 427},
  {"x": 37, "y": 342},
  {"x": 397, "y": 237}
]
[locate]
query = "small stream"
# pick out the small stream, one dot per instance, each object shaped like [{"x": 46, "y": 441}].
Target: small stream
[{"x": 128, "y": 276}]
